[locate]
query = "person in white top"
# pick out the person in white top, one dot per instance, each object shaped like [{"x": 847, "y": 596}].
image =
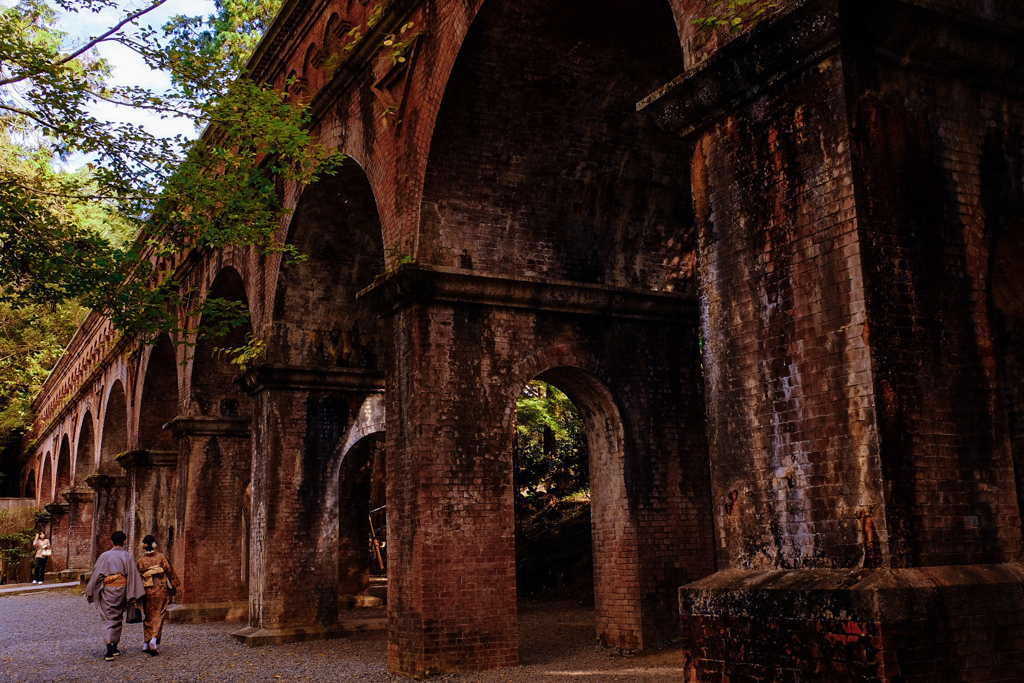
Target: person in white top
[{"x": 43, "y": 552}]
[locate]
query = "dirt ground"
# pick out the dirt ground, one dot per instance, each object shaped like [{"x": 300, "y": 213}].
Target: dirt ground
[{"x": 55, "y": 637}]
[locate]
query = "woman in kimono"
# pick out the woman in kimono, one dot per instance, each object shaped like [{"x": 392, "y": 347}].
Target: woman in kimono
[{"x": 161, "y": 583}]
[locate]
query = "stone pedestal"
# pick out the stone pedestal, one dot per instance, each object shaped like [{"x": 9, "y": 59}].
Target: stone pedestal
[
  {"x": 80, "y": 522},
  {"x": 110, "y": 507},
  {"x": 298, "y": 546},
  {"x": 214, "y": 461}
]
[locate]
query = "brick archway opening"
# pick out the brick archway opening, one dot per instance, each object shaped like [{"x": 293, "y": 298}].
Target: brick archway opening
[
  {"x": 107, "y": 484},
  {"x": 84, "y": 456},
  {"x": 151, "y": 480},
  {"x": 362, "y": 517},
  {"x": 551, "y": 487},
  {"x": 616, "y": 578},
  {"x": 539, "y": 162},
  {"x": 63, "y": 479},
  {"x": 46, "y": 482},
  {"x": 159, "y": 397},
  {"x": 114, "y": 438},
  {"x": 215, "y": 462},
  {"x": 29, "y": 490},
  {"x": 317, "y": 320},
  {"x": 80, "y": 499}
]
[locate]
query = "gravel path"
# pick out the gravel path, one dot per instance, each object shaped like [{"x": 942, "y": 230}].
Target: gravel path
[{"x": 54, "y": 637}]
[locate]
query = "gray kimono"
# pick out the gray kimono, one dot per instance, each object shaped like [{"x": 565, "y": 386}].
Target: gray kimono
[{"x": 111, "y": 600}]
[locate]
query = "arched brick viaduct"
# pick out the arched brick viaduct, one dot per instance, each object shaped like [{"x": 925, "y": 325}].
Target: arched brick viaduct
[{"x": 784, "y": 290}]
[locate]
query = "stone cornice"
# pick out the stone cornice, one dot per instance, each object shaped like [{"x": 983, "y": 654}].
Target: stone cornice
[
  {"x": 78, "y": 495},
  {"x": 57, "y": 509},
  {"x": 202, "y": 425},
  {"x": 415, "y": 282},
  {"x": 147, "y": 458},
  {"x": 898, "y": 32},
  {"x": 299, "y": 378},
  {"x": 100, "y": 480}
]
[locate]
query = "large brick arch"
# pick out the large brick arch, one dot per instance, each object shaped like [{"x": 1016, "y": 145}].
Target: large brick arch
[
  {"x": 539, "y": 163},
  {"x": 85, "y": 449},
  {"x": 157, "y": 398},
  {"x": 212, "y": 391},
  {"x": 114, "y": 437},
  {"x": 28, "y": 489},
  {"x": 62, "y": 471},
  {"x": 317, "y": 320},
  {"x": 46, "y": 479}
]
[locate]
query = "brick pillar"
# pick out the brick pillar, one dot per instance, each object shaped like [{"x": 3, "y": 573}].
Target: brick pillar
[
  {"x": 58, "y": 536},
  {"x": 214, "y": 467},
  {"x": 301, "y": 418},
  {"x": 110, "y": 508},
  {"x": 80, "y": 521},
  {"x": 451, "y": 546},
  {"x": 864, "y": 497},
  {"x": 151, "y": 497}
]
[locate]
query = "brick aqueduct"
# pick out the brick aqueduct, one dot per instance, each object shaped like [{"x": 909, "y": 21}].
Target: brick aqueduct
[{"x": 780, "y": 273}]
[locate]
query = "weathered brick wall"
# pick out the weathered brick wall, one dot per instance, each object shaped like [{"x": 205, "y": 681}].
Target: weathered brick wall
[
  {"x": 540, "y": 165},
  {"x": 790, "y": 413},
  {"x": 918, "y": 144}
]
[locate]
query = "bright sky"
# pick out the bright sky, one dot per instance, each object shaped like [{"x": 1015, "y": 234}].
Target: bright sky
[{"x": 128, "y": 67}]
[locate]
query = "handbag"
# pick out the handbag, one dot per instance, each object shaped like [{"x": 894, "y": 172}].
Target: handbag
[
  {"x": 47, "y": 552},
  {"x": 133, "y": 614}
]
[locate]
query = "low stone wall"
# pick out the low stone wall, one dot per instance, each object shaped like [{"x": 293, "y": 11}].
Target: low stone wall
[{"x": 17, "y": 503}]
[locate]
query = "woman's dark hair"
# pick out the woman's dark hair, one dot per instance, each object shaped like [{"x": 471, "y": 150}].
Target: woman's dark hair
[{"x": 149, "y": 542}]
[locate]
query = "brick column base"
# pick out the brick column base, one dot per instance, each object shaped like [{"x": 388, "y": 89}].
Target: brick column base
[{"x": 921, "y": 624}]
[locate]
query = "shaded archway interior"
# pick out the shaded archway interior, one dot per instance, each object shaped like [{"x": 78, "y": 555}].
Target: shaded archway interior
[
  {"x": 159, "y": 397},
  {"x": 361, "y": 485},
  {"x": 46, "y": 483},
  {"x": 214, "y": 392},
  {"x": 318, "y": 321},
  {"x": 1007, "y": 296},
  {"x": 540, "y": 164},
  {"x": 63, "y": 467},
  {"x": 115, "y": 430},
  {"x": 84, "y": 457}
]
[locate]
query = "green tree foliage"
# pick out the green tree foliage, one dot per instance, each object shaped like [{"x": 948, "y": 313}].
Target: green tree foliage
[
  {"x": 734, "y": 14},
  {"x": 173, "y": 193},
  {"x": 551, "y": 444},
  {"x": 553, "y": 536},
  {"x": 77, "y": 235},
  {"x": 17, "y": 531}
]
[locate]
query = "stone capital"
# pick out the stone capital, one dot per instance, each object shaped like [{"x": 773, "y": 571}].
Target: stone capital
[
  {"x": 202, "y": 425},
  {"x": 102, "y": 480},
  {"x": 77, "y": 495},
  {"x": 901, "y": 32},
  {"x": 416, "y": 282},
  {"x": 57, "y": 509},
  {"x": 300, "y": 378}
]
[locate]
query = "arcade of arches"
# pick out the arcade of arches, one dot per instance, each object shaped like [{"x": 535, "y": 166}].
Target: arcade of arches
[{"x": 776, "y": 271}]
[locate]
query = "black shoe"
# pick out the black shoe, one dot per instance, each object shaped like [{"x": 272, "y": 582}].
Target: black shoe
[
  {"x": 117, "y": 653},
  {"x": 111, "y": 651},
  {"x": 152, "y": 652}
]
